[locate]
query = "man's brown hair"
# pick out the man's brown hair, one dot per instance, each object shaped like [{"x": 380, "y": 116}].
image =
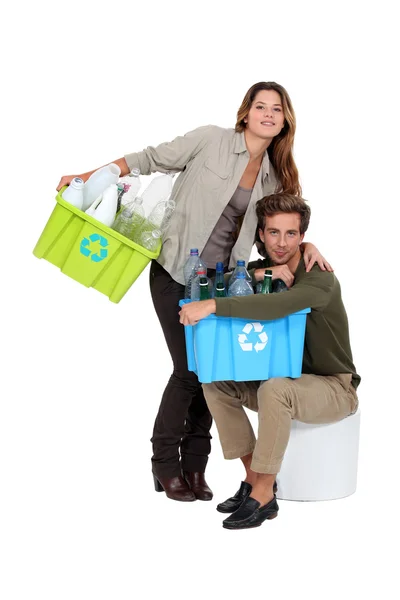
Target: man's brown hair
[{"x": 280, "y": 203}]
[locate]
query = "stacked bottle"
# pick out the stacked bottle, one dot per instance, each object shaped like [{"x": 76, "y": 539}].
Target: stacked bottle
[
  {"x": 219, "y": 283},
  {"x": 240, "y": 268},
  {"x": 201, "y": 288},
  {"x": 193, "y": 263},
  {"x": 240, "y": 286}
]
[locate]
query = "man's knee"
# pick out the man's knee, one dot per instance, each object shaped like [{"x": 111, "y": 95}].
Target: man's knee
[{"x": 273, "y": 391}]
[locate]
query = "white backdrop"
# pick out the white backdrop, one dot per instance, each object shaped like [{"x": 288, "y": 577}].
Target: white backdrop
[{"x": 82, "y": 378}]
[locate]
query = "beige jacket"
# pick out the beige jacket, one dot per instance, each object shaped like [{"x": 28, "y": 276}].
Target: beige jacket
[{"x": 212, "y": 161}]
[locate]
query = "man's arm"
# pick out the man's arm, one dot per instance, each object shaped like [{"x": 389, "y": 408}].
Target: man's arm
[{"x": 313, "y": 291}]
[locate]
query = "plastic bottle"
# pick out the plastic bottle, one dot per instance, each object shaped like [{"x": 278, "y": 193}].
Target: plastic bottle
[
  {"x": 161, "y": 214},
  {"x": 150, "y": 239},
  {"x": 279, "y": 286},
  {"x": 158, "y": 190},
  {"x": 240, "y": 287},
  {"x": 134, "y": 182},
  {"x": 98, "y": 182},
  {"x": 219, "y": 283},
  {"x": 240, "y": 268},
  {"x": 201, "y": 285},
  {"x": 130, "y": 219},
  {"x": 74, "y": 193},
  {"x": 104, "y": 208},
  {"x": 169, "y": 209},
  {"x": 190, "y": 270}
]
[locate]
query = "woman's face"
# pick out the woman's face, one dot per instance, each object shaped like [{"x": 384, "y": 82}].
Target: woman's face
[{"x": 265, "y": 118}]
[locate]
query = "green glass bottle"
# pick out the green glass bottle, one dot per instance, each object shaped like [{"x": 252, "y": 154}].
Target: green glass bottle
[
  {"x": 203, "y": 283},
  {"x": 220, "y": 291},
  {"x": 267, "y": 283}
]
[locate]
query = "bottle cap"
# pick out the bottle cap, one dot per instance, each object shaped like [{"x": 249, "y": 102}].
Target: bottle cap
[
  {"x": 135, "y": 172},
  {"x": 268, "y": 273},
  {"x": 219, "y": 266},
  {"x": 194, "y": 251},
  {"x": 240, "y": 263},
  {"x": 77, "y": 182}
]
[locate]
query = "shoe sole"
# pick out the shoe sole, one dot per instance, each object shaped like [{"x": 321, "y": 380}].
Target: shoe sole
[{"x": 250, "y": 526}]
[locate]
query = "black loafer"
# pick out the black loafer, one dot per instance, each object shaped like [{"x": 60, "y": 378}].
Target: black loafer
[
  {"x": 233, "y": 503},
  {"x": 251, "y": 514}
]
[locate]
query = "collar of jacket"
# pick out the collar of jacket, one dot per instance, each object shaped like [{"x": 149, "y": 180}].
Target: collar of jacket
[{"x": 240, "y": 146}]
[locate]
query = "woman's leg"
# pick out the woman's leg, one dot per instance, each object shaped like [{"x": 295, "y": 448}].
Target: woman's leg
[{"x": 183, "y": 413}]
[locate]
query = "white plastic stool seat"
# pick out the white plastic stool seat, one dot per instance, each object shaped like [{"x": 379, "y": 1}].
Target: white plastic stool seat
[{"x": 321, "y": 461}]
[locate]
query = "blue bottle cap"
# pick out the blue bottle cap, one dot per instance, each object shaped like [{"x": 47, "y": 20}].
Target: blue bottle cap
[{"x": 240, "y": 263}]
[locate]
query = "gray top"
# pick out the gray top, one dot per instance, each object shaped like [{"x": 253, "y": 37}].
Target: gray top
[
  {"x": 222, "y": 239},
  {"x": 212, "y": 161}
]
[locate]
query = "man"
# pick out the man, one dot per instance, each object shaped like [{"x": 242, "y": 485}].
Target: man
[{"x": 326, "y": 391}]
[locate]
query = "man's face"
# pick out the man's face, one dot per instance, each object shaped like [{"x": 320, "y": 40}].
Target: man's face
[{"x": 281, "y": 237}]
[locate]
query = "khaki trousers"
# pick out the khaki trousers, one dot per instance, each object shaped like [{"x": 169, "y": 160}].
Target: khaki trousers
[{"x": 310, "y": 399}]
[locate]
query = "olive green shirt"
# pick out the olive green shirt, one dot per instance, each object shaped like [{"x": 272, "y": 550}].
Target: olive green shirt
[
  {"x": 327, "y": 348},
  {"x": 211, "y": 161}
]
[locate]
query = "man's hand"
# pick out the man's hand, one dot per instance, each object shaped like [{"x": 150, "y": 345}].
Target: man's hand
[
  {"x": 192, "y": 313},
  {"x": 278, "y": 272}
]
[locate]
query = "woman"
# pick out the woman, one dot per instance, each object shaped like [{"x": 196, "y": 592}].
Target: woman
[{"x": 223, "y": 172}]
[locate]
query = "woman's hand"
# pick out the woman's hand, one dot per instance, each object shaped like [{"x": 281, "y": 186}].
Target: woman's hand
[
  {"x": 312, "y": 255},
  {"x": 66, "y": 180},
  {"x": 191, "y": 313}
]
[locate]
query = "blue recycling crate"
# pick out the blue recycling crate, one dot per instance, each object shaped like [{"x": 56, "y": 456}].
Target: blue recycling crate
[{"x": 232, "y": 349}]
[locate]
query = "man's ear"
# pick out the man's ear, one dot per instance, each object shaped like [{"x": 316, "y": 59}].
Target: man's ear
[
  {"x": 302, "y": 238},
  {"x": 261, "y": 235}
]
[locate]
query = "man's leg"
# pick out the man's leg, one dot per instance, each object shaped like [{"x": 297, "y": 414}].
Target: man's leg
[
  {"x": 310, "y": 399},
  {"x": 226, "y": 399}
]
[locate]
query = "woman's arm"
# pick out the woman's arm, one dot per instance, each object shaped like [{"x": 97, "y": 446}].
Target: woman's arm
[
  {"x": 169, "y": 156},
  {"x": 66, "y": 179},
  {"x": 312, "y": 255}
]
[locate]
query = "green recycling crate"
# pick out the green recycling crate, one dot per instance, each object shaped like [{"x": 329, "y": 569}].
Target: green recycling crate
[{"x": 90, "y": 252}]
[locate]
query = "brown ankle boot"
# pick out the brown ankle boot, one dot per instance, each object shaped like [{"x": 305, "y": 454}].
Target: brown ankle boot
[
  {"x": 175, "y": 488},
  {"x": 198, "y": 485}
]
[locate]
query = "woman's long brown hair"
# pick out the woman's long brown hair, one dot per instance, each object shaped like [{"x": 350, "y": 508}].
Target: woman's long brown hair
[{"x": 280, "y": 151}]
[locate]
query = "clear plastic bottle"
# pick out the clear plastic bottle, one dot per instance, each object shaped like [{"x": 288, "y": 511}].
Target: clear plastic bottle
[
  {"x": 188, "y": 270},
  {"x": 133, "y": 181},
  {"x": 169, "y": 209},
  {"x": 201, "y": 285},
  {"x": 161, "y": 214},
  {"x": 130, "y": 219},
  {"x": 240, "y": 268},
  {"x": 193, "y": 263},
  {"x": 98, "y": 182},
  {"x": 240, "y": 286},
  {"x": 158, "y": 190},
  {"x": 150, "y": 239},
  {"x": 219, "y": 283},
  {"x": 74, "y": 192}
]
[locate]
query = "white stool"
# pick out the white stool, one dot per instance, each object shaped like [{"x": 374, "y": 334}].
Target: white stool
[{"x": 320, "y": 462}]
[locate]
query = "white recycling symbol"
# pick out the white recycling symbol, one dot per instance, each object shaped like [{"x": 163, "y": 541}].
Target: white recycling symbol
[{"x": 262, "y": 337}]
